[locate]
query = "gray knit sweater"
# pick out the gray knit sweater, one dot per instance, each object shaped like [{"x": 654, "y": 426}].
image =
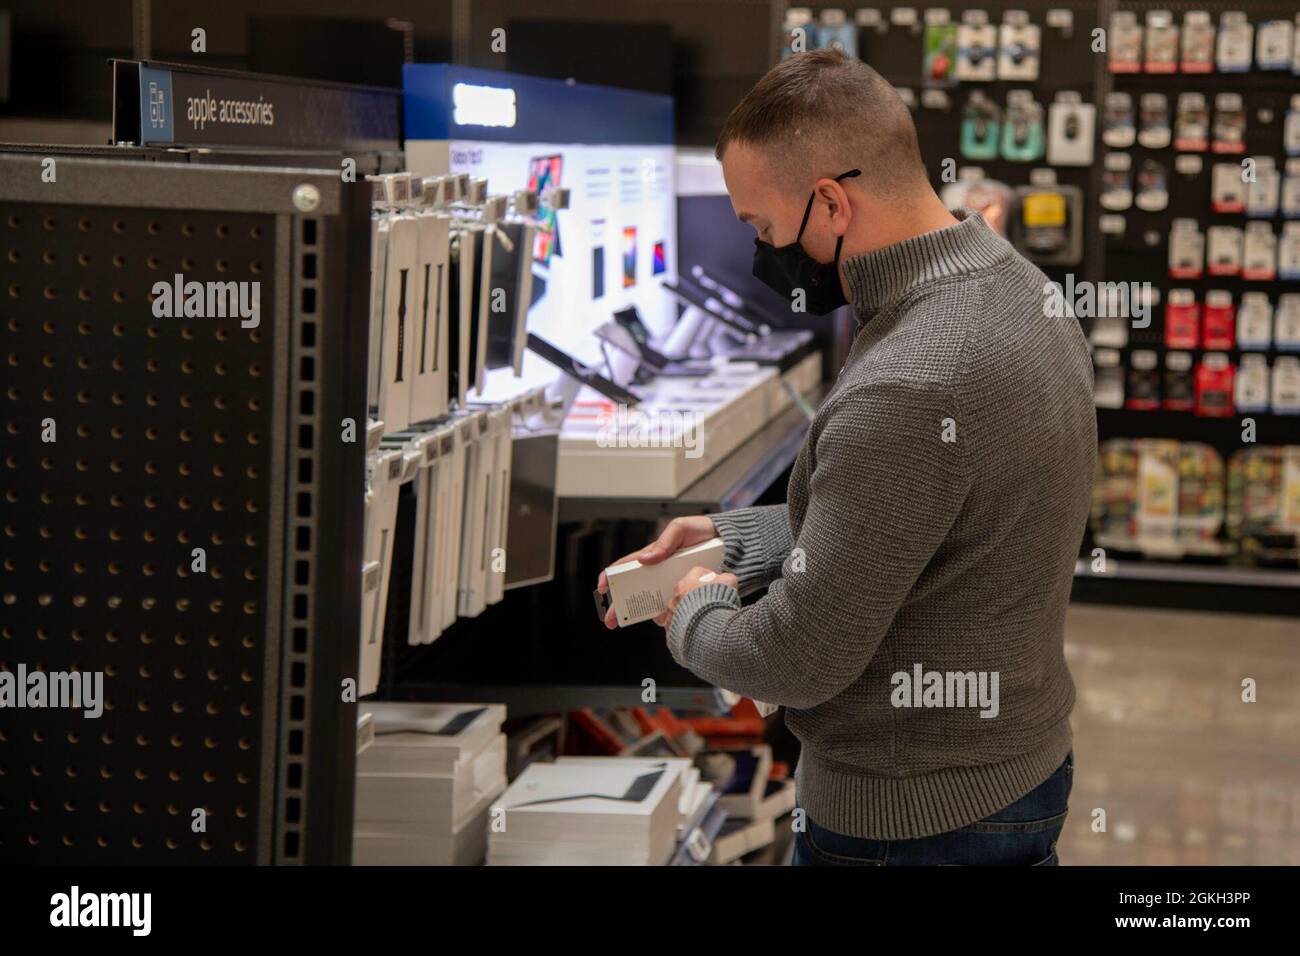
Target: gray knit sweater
[{"x": 933, "y": 520}]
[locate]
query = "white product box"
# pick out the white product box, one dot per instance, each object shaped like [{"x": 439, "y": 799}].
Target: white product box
[
  {"x": 451, "y": 476},
  {"x": 427, "y": 326},
  {"x": 503, "y": 448},
  {"x": 639, "y": 591},
  {"x": 378, "y": 290},
  {"x": 384, "y": 479},
  {"x": 463, "y": 262},
  {"x": 479, "y": 461},
  {"x": 397, "y": 366}
]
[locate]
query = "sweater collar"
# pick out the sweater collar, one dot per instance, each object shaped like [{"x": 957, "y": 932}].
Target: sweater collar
[{"x": 882, "y": 277}]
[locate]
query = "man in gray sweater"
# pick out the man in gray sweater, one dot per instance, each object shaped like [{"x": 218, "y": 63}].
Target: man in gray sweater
[{"x": 917, "y": 580}]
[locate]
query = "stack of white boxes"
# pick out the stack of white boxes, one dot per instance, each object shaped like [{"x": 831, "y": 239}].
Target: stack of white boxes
[
  {"x": 593, "y": 811},
  {"x": 426, "y": 783}
]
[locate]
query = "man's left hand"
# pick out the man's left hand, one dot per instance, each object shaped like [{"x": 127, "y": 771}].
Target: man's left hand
[{"x": 694, "y": 578}]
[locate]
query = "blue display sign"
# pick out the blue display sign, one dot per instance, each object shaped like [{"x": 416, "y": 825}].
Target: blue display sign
[{"x": 444, "y": 102}]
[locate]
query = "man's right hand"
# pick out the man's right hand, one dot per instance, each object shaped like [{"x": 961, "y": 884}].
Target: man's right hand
[{"x": 677, "y": 534}]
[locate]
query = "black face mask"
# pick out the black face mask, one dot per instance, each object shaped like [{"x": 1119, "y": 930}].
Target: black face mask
[{"x": 788, "y": 268}]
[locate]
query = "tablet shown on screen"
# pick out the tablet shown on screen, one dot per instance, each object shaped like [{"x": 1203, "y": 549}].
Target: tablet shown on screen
[
  {"x": 544, "y": 175},
  {"x": 597, "y": 272}
]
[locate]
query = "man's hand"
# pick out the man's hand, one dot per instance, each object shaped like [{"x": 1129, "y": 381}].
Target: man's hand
[
  {"x": 695, "y": 577},
  {"x": 677, "y": 534}
]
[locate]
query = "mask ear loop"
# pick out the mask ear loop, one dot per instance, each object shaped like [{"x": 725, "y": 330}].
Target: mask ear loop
[
  {"x": 851, "y": 174},
  {"x": 807, "y": 210}
]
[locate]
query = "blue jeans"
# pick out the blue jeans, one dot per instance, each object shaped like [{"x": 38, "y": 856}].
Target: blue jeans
[{"x": 1023, "y": 834}]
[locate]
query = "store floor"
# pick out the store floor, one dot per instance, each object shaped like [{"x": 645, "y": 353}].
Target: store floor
[{"x": 1186, "y": 772}]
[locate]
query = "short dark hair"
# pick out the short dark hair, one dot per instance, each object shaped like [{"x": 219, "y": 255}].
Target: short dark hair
[{"x": 822, "y": 113}]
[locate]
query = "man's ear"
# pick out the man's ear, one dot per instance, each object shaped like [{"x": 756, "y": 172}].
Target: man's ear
[{"x": 836, "y": 198}]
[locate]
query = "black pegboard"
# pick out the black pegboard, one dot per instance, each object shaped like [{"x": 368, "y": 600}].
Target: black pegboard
[{"x": 221, "y": 686}]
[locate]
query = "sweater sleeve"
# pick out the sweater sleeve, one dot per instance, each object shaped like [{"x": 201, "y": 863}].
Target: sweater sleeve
[
  {"x": 884, "y": 491},
  {"x": 757, "y": 540}
]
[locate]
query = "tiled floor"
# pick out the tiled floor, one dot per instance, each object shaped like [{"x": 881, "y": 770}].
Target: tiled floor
[{"x": 1184, "y": 770}]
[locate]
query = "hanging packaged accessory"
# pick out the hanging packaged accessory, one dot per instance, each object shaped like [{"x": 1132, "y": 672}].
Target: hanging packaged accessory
[
  {"x": 835, "y": 32},
  {"x": 1197, "y": 42},
  {"x": 1108, "y": 379},
  {"x": 1288, "y": 252},
  {"x": 1214, "y": 386},
  {"x": 977, "y": 48},
  {"x": 1152, "y": 186},
  {"x": 1264, "y": 193},
  {"x": 1118, "y": 130},
  {"x": 1285, "y": 397},
  {"x": 1220, "y": 320},
  {"x": 1252, "y": 385},
  {"x": 1291, "y": 128},
  {"x": 939, "y": 67},
  {"x": 1229, "y": 124},
  {"x": 798, "y": 31},
  {"x": 1236, "y": 38},
  {"x": 1071, "y": 130},
  {"x": 1186, "y": 249},
  {"x": 1227, "y": 191},
  {"x": 1143, "y": 381},
  {"x": 1223, "y": 250},
  {"x": 1124, "y": 53},
  {"x": 1049, "y": 226},
  {"x": 1180, "y": 383},
  {"x": 1019, "y": 42},
  {"x": 1255, "y": 322},
  {"x": 1192, "y": 125},
  {"x": 1182, "y": 320},
  {"x": 1290, "y": 198},
  {"x": 1154, "y": 130},
  {"x": 1116, "y": 182},
  {"x": 1286, "y": 323},
  {"x": 1022, "y": 128},
  {"x": 1161, "y": 42},
  {"x": 981, "y": 128},
  {"x": 1259, "y": 253},
  {"x": 1273, "y": 40}
]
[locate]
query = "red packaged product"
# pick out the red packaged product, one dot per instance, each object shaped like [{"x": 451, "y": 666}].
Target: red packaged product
[
  {"x": 1214, "y": 386},
  {"x": 1182, "y": 320},
  {"x": 1220, "y": 320}
]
